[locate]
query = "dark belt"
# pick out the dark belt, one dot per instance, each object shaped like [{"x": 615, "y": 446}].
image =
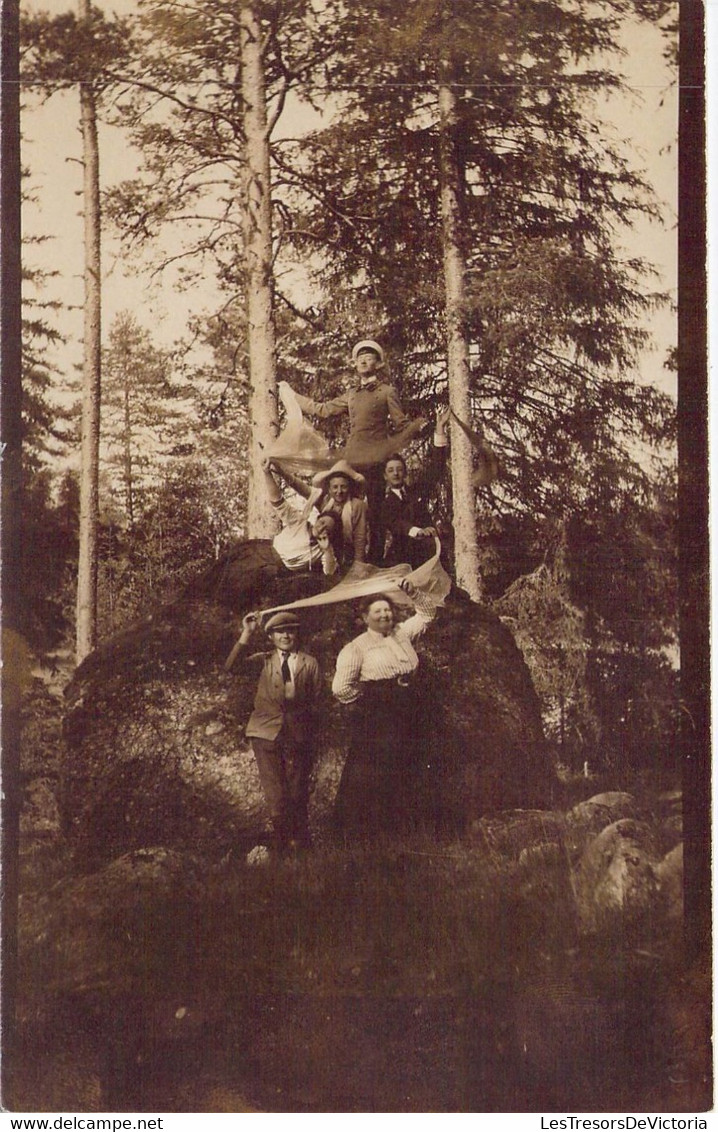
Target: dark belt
[{"x": 403, "y": 680}]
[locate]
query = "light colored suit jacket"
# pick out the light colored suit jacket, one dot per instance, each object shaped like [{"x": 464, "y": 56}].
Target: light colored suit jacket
[
  {"x": 272, "y": 710},
  {"x": 370, "y": 408}
]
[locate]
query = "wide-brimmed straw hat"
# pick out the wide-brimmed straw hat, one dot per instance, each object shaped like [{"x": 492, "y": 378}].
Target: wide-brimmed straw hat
[{"x": 341, "y": 468}]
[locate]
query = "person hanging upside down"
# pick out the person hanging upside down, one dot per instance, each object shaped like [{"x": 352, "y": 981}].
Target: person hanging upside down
[{"x": 304, "y": 545}]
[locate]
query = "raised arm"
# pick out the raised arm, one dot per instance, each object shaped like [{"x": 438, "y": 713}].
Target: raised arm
[
  {"x": 274, "y": 494},
  {"x": 250, "y": 623},
  {"x": 436, "y": 463},
  {"x": 323, "y": 409},
  {"x": 296, "y": 484},
  {"x": 425, "y": 610},
  {"x": 441, "y": 438}
]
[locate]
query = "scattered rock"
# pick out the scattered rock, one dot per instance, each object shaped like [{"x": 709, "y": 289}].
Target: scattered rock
[
  {"x": 615, "y": 884},
  {"x": 260, "y": 855},
  {"x": 588, "y": 818},
  {"x": 542, "y": 855},
  {"x": 669, "y": 873},
  {"x": 515, "y": 832},
  {"x": 671, "y": 800}
]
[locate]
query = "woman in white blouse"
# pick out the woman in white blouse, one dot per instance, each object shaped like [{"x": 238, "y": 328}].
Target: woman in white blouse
[{"x": 375, "y": 672}]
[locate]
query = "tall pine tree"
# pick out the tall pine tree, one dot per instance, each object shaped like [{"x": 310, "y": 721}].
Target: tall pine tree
[
  {"x": 221, "y": 75},
  {"x": 552, "y": 309},
  {"x": 62, "y": 52}
]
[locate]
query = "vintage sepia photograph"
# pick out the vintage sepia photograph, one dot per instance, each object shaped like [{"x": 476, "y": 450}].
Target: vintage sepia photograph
[{"x": 354, "y": 589}]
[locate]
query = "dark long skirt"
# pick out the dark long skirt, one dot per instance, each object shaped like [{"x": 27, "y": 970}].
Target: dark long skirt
[
  {"x": 377, "y": 792},
  {"x": 250, "y": 574}
]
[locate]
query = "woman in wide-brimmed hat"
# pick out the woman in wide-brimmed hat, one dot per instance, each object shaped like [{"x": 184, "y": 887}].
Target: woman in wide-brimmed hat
[
  {"x": 342, "y": 498},
  {"x": 339, "y": 495}
]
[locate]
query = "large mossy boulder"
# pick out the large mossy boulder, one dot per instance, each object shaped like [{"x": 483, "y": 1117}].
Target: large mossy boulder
[{"x": 154, "y": 725}]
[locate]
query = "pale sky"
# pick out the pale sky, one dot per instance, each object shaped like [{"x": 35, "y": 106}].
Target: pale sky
[{"x": 646, "y": 118}]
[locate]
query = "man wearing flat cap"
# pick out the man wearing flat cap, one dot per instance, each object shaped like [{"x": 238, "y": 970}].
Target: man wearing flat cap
[
  {"x": 377, "y": 423},
  {"x": 280, "y": 727}
]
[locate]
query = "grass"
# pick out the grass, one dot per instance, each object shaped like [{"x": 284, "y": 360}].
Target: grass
[
  {"x": 407, "y": 975},
  {"x": 409, "y": 918}
]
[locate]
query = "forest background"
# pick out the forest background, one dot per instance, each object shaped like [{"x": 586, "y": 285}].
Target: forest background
[
  {"x": 568, "y": 232},
  {"x": 555, "y": 123}
]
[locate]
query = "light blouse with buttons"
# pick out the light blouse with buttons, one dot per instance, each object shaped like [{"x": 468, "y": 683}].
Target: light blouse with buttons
[{"x": 373, "y": 656}]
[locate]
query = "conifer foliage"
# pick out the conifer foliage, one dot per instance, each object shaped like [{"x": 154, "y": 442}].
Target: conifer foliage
[
  {"x": 294, "y": 154},
  {"x": 552, "y": 306}
]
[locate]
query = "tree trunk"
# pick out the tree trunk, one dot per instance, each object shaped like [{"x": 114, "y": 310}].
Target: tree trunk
[
  {"x": 86, "y": 628},
  {"x": 258, "y": 251},
  {"x": 129, "y": 486},
  {"x": 11, "y": 513},
  {"x": 464, "y": 506}
]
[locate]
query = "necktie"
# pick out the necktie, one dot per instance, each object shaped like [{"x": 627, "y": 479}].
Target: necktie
[{"x": 286, "y": 674}]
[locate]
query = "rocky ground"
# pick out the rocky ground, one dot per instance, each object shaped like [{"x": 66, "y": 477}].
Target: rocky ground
[
  {"x": 523, "y": 955},
  {"x": 124, "y": 1004}
]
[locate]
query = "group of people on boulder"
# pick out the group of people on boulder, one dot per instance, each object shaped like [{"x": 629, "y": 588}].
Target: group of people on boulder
[
  {"x": 376, "y": 516},
  {"x": 374, "y": 675},
  {"x": 349, "y": 516}
]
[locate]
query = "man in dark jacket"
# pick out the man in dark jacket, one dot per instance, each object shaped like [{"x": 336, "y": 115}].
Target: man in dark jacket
[
  {"x": 407, "y": 527},
  {"x": 281, "y": 725}
]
